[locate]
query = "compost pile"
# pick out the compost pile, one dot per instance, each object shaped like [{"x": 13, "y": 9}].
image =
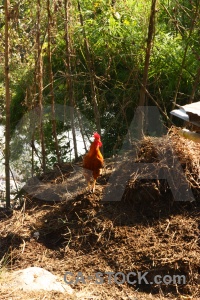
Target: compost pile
[{"x": 148, "y": 230}]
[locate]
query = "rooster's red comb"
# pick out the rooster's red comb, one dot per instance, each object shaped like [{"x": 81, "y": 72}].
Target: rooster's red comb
[{"x": 96, "y": 135}]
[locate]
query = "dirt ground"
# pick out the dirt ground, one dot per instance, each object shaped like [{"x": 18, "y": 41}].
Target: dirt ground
[{"x": 147, "y": 231}]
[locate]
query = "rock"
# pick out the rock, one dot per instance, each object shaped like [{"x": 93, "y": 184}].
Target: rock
[{"x": 36, "y": 279}]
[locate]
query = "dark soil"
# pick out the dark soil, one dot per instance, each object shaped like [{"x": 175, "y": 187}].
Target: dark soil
[{"x": 147, "y": 231}]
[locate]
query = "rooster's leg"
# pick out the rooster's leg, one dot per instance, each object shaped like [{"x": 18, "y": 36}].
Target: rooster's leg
[
  {"x": 93, "y": 185},
  {"x": 88, "y": 185}
]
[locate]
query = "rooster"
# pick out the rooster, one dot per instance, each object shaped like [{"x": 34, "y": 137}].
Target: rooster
[{"x": 93, "y": 162}]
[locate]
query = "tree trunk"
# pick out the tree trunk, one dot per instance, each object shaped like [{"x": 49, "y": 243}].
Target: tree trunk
[
  {"x": 90, "y": 66},
  {"x": 81, "y": 129},
  {"x": 40, "y": 84},
  {"x": 54, "y": 131},
  {"x": 8, "y": 98},
  {"x": 142, "y": 99},
  {"x": 69, "y": 75}
]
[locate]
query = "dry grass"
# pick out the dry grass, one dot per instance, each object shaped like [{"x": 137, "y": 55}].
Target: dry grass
[{"x": 146, "y": 231}]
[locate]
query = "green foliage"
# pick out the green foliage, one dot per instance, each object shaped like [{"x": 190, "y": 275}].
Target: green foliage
[
  {"x": 17, "y": 108},
  {"x": 116, "y": 33}
]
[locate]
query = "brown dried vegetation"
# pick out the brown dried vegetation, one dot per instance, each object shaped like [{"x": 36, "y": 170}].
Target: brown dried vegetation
[{"x": 147, "y": 231}]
